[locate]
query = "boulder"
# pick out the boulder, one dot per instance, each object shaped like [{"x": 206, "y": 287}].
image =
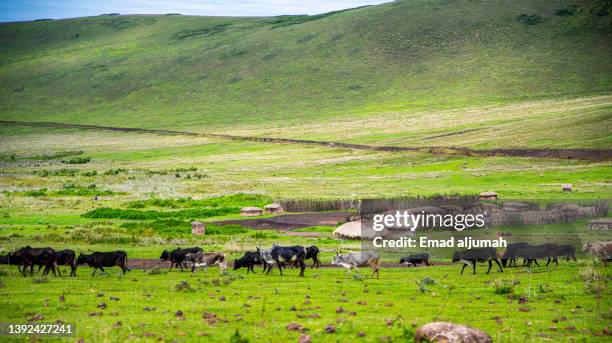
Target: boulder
[{"x": 450, "y": 333}]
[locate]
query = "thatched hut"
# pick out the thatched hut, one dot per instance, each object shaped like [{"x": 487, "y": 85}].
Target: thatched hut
[
  {"x": 487, "y": 196},
  {"x": 273, "y": 208},
  {"x": 251, "y": 211},
  {"x": 350, "y": 230}
]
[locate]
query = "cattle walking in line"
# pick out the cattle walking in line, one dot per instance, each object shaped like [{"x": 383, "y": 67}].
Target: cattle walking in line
[
  {"x": 294, "y": 254},
  {"x": 248, "y": 260},
  {"x": 207, "y": 259},
  {"x": 28, "y": 257},
  {"x": 602, "y": 250},
  {"x": 99, "y": 260},
  {"x": 358, "y": 259},
  {"x": 312, "y": 252},
  {"x": 472, "y": 256},
  {"x": 177, "y": 256}
]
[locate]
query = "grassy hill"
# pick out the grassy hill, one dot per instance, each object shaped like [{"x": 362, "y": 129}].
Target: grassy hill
[{"x": 219, "y": 73}]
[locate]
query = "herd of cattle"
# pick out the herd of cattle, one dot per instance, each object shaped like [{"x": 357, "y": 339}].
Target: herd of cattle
[{"x": 295, "y": 256}]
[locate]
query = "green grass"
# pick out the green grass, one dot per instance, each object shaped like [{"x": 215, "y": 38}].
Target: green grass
[{"x": 387, "y": 307}]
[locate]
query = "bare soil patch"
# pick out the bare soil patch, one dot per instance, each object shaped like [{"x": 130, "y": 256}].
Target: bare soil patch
[{"x": 291, "y": 221}]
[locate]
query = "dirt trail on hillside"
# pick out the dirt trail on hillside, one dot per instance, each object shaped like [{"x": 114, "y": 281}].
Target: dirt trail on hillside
[{"x": 579, "y": 154}]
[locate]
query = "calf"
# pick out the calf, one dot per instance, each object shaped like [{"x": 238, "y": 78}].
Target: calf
[
  {"x": 206, "y": 259},
  {"x": 177, "y": 256},
  {"x": 358, "y": 259},
  {"x": 28, "y": 257},
  {"x": 294, "y": 254},
  {"x": 471, "y": 256},
  {"x": 312, "y": 252},
  {"x": 99, "y": 260},
  {"x": 66, "y": 257},
  {"x": 600, "y": 249},
  {"x": 249, "y": 259},
  {"x": 415, "y": 259}
]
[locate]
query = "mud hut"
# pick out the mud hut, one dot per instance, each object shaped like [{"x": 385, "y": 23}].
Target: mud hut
[
  {"x": 350, "y": 230},
  {"x": 487, "y": 196},
  {"x": 198, "y": 228},
  {"x": 273, "y": 208},
  {"x": 251, "y": 211}
]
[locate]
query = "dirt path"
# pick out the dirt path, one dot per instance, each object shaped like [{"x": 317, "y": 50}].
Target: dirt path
[{"x": 580, "y": 154}]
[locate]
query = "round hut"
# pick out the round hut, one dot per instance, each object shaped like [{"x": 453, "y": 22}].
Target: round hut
[
  {"x": 273, "y": 208},
  {"x": 251, "y": 211},
  {"x": 350, "y": 230},
  {"x": 487, "y": 196}
]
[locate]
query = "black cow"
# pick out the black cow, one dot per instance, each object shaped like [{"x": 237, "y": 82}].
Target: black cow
[
  {"x": 548, "y": 251},
  {"x": 569, "y": 251},
  {"x": 11, "y": 259},
  {"x": 312, "y": 252},
  {"x": 66, "y": 257},
  {"x": 415, "y": 259},
  {"x": 512, "y": 252},
  {"x": 177, "y": 256},
  {"x": 294, "y": 254},
  {"x": 28, "y": 257},
  {"x": 471, "y": 256},
  {"x": 250, "y": 259},
  {"x": 99, "y": 260}
]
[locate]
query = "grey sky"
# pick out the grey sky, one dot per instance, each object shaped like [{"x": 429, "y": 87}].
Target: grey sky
[{"x": 15, "y": 10}]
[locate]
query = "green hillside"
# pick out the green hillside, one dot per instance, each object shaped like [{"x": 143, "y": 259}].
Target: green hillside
[{"x": 211, "y": 73}]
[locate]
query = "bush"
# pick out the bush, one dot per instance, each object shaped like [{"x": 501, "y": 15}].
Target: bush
[
  {"x": 36, "y": 193},
  {"x": 113, "y": 213},
  {"x": 77, "y": 160},
  {"x": 183, "y": 286},
  {"x": 529, "y": 19},
  {"x": 503, "y": 286},
  {"x": 235, "y": 200}
]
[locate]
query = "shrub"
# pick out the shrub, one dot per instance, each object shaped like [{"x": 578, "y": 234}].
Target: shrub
[
  {"x": 77, "y": 160},
  {"x": 563, "y": 12},
  {"x": 113, "y": 213},
  {"x": 36, "y": 193},
  {"x": 183, "y": 286},
  {"x": 529, "y": 19},
  {"x": 503, "y": 286},
  {"x": 204, "y": 31}
]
